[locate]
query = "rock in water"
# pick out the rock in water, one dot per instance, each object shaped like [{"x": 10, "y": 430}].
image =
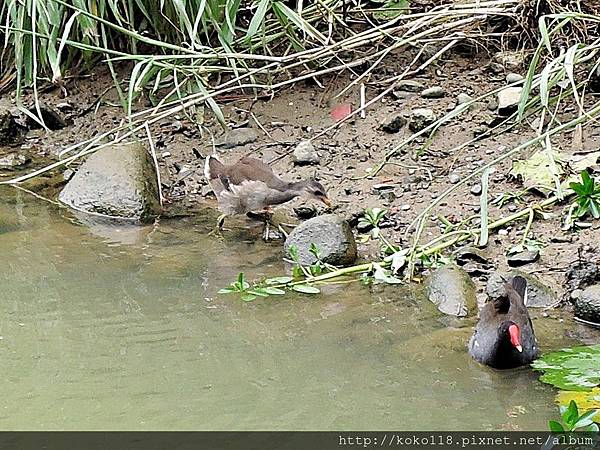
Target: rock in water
[
  {"x": 332, "y": 236},
  {"x": 451, "y": 289},
  {"x": 538, "y": 294},
  {"x": 587, "y": 304},
  {"x": 117, "y": 181},
  {"x": 305, "y": 153}
]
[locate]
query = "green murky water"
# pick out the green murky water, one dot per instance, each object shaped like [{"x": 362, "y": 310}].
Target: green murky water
[{"x": 121, "y": 329}]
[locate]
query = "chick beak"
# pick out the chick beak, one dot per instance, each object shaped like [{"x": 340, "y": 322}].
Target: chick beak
[
  {"x": 326, "y": 201},
  {"x": 519, "y": 348}
]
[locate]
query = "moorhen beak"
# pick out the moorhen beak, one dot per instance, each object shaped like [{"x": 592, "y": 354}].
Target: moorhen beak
[
  {"x": 250, "y": 185},
  {"x": 326, "y": 201},
  {"x": 504, "y": 336}
]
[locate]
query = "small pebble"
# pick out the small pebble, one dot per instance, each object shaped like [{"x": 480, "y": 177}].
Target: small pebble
[
  {"x": 463, "y": 98},
  {"x": 166, "y": 154},
  {"x": 476, "y": 189},
  {"x": 454, "y": 178},
  {"x": 433, "y": 92},
  {"x": 405, "y": 207},
  {"x": 513, "y": 78}
]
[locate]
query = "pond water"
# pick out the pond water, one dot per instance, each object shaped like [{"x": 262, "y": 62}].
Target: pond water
[{"x": 106, "y": 328}]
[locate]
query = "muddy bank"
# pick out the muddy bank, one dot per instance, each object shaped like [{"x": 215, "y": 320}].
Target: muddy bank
[{"x": 271, "y": 129}]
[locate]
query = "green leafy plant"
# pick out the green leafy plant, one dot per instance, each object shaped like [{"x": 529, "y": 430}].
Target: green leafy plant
[
  {"x": 588, "y": 197},
  {"x": 372, "y": 219},
  {"x": 572, "y": 369},
  {"x": 572, "y": 421},
  {"x": 248, "y": 293},
  {"x": 317, "y": 268},
  {"x": 267, "y": 287}
]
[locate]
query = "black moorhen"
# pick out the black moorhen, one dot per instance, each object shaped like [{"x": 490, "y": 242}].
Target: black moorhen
[
  {"x": 250, "y": 185},
  {"x": 504, "y": 336}
]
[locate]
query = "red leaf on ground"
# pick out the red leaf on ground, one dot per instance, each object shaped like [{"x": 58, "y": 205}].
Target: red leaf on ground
[{"x": 341, "y": 111}]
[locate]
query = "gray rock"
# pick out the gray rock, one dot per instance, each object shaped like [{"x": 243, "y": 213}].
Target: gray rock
[
  {"x": 117, "y": 181},
  {"x": 11, "y": 132},
  {"x": 539, "y": 295},
  {"x": 421, "y": 118},
  {"x": 476, "y": 189},
  {"x": 51, "y": 117},
  {"x": 13, "y": 161},
  {"x": 492, "y": 105},
  {"x": 587, "y": 304},
  {"x": 410, "y": 86},
  {"x": 394, "y": 123},
  {"x": 508, "y": 100},
  {"x": 512, "y": 60},
  {"x": 331, "y": 234},
  {"x": 470, "y": 253},
  {"x": 513, "y": 77},
  {"x": 581, "y": 274},
  {"x": 238, "y": 137},
  {"x": 522, "y": 258},
  {"x": 305, "y": 212},
  {"x": 433, "y": 92},
  {"x": 463, "y": 98},
  {"x": 496, "y": 67},
  {"x": 454, "y": 178},
  {"x": 305, "y": 153},
  {"x": 451, "y": 289}
]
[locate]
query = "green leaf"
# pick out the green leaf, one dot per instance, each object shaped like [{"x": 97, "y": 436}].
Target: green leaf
[
  {"x": 227, "y": 290},
  {"x": 594, "y": 208},
  {"x": 314, "y": 250},
  {"x": 293, "y": 251},
  {"x": 274, "y": 291},
  {"x": 257, "y": 19},
  {"x": 555, "y": 426},
  {"x": 306, "y": 289},
  {"x": 571, "y": 414},
  {"x": 391, "y": 9},
  {"x": 248, "y": 297},
  {"x": 578, "y": 188},
  {"x": 575, "y": 369},
  {"x": 585, "y": 419},
  {"x": 261, "y": 292},
  {"x": 483, "y": 234},
  {"x": 278, "y": 280}
]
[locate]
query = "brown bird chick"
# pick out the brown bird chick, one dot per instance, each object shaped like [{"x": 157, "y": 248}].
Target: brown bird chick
[{"x": 250, "y": 185}]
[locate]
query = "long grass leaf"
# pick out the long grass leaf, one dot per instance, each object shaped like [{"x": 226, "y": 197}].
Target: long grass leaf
[{"x": 484, "y": 231}]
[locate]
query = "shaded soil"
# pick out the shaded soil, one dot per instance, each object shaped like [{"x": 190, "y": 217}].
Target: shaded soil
[{"x": 415, "y": 176}]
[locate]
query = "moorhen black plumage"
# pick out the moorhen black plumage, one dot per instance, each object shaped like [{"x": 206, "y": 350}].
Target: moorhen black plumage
[{"x": 504, "y": 336}]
